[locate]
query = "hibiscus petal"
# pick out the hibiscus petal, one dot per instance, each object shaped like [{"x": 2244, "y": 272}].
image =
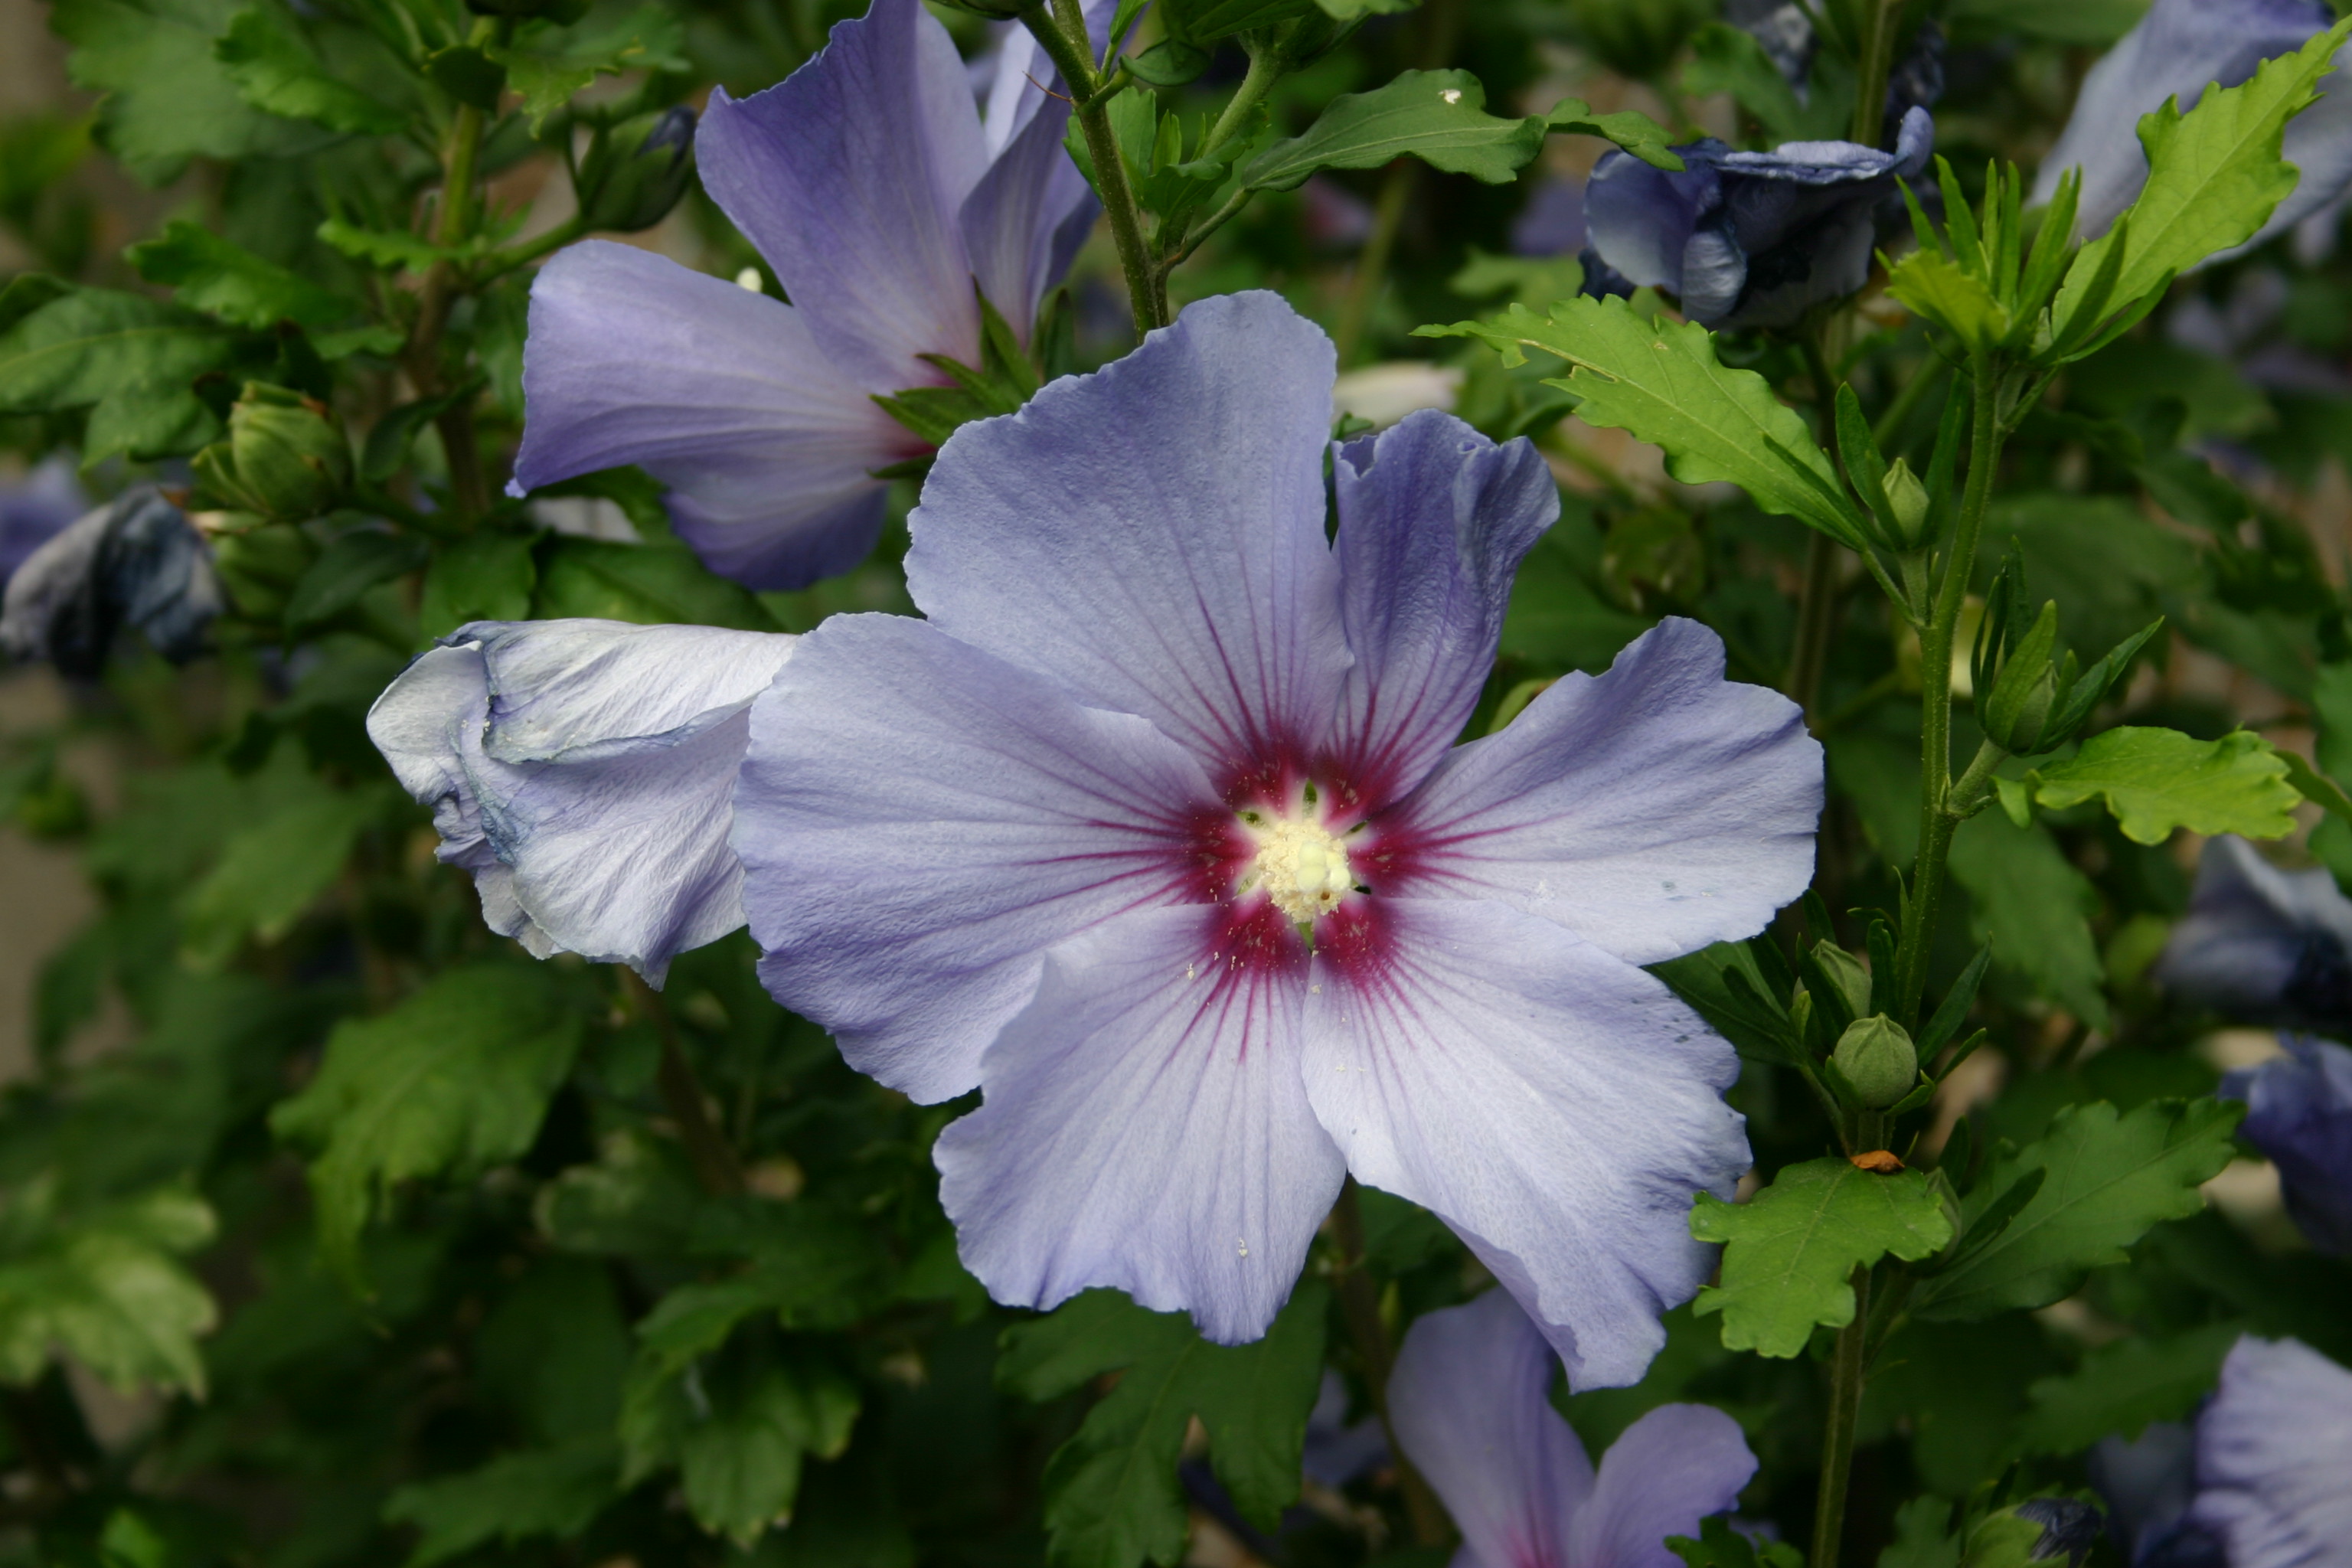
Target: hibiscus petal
[
  {"x": 921, "y": 821},
  {"x": 2173, "y": 52},
  {"x": 1013, "y": 223},
  {"x": 1470, "y": 1398},
  {"x": 1434, "y": 519},
  {"x": 583, "y": 771},
  {"x": 1673, "y": 1468},
  {"x": 1652, "y": 809},
  {"x": 1142, "y": 1126},
  {"x": 1554, "y": 1105},
  {"x": 2273, "y": 1452},
  {"x": 847, "y": 175},
  {"x": 1639, "y": 219},
  {"x": 1153, "y": 534},
  {"x": 718, "y": 392}
]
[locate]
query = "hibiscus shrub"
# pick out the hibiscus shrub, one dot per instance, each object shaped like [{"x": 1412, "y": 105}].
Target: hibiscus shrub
[{"x": 1303, "y": 782}]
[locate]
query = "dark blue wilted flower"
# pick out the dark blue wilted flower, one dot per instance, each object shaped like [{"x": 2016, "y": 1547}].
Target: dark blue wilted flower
[
  {"x": 1155, "y": 832},
  {"x": 2274, "y": 1459},
  {"x": 35, "y": 510},
  {"x": 1470, "y": 1401},
  {"x": 2070, "y": 1528},
  {"x": 2176, "y": 51},
  {"x": 2148, "y": 1483},
  {"x": 2260, "y": 945},
  {"x": 880, "y": 194},
  {"x": 2299, "y": 1113},
  {"x": 583, "y": 771},
  {"x": 1747, "y": 239},
  {"x": 137, "y": 562}
]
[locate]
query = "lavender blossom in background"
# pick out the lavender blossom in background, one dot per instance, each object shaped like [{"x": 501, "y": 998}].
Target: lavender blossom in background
[
  {"x": 1470, "y": 1400},
  {"x": 36, "y": 509},
  {"x": 584, "y": 772},
  {"x": 2299, "y": 1113},
  {"x": 1749, "y": 239},
  {"x": 2274, "y": 1459},
  {"x": 1155, "y": 833},
  {"x": 2176, "y": 51},
  {"x": 880, "y": 196},
  {"x": 2149, "y": 1484},
  {"x": 135, "y": 563},
  {"x": 2260, "y": 945}
]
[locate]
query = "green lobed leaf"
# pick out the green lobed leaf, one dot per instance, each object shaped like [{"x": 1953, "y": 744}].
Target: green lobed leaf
[
  {"x": 215, "y": 275},
  {"x": 2030, "y": 904},
  {"x": 105, "y": 1288},
  {"x": 128, "y": 359},
  {"x": 2157, "y": 780},
  {"x": 651, "y": 37},
  {"x": 2107, "y": 1178},
  {"x": 452, "y": 1080},
  {"x": 2121, "y": 1387},
  {"x": 1633, "y": 132},
  {"x": 1661, "y": 380},
  {"x": 1922, "y": 1536},
  {"x": 272, "y": 871},
  {"x": 484, "y": 576},
  {"x": 536, "y": 1492},
  {"x": 1728, "y": 60},
  {"x": 394, "y": 248},
  {"x": 1932, "y": 286},
  {"x": 1112, "y": 1494},
  {"x": 2214, "y": 177},
  {"x": 739, "y": 1433},
  {"x": 347, "y": 568},
  {"x": 166, "y": 99},
  {"x": 1719, "y": 1545},
  {"x": 275, "y": 71},
  {"x": 1791, "y": 1251},
  {"x": 1439, "y": 117},
  {"x": 1204, "y": 21}
]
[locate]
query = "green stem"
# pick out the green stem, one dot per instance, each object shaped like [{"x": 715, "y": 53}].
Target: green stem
[
  {"x": 1063, "y": 36},
  {"x": 1372, "y": 263},
  {"x": 1265, "y": 68},
  {"x": 1359, "y": 1305},
  {"x": 469, "y": 488},
  {"x": 1870, "y": 87},
  {"x": 1817, "y": 601},
  {"x": 707, "y": 1149},
  {"x": 502, "y": 262},
  {"x": 1837, "y": 1440},
  {"x": 1935, "y": 820}
]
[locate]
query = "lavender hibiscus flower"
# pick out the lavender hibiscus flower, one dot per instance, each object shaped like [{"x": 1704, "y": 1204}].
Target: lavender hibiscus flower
[
  {"x": 2261, "y": 945},
  {"x": 2273, "y": 1453},
  {"x": 36, "y": 510},
  {"x": 581, "y": 771},
  {"x": 2176, "y": 51},
  {"x": 2299, "y": 1113},
  {"x": 879, "y": 195},
  {"x": 1156, "y": 833},
  {"x": 1747, "y": 239},
  {"x": 1470, "y": 1399}
]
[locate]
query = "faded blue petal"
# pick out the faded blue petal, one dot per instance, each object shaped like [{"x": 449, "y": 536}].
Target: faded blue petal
[
  {"x": 1337, "y": 1451},
  {"x": 1751, "y": 239},
  {"x": 2260, "y": 945},
  {"x": 2299, "y": 1113},
  {"x": 1143, "y": 1126},
  {"x": 1152, "y": 535},
  {"x": 135, "y": 563},
  {"x": 38, "y": 509},
  {"x": 718, "y": 392},
  {"x": 1607, "y": 807},
  {"x": 1470, "y": 1397},
  {"x": 922, "y": 821},
  {"x": 2070, "y": 1528},
  {"x": 2175, "y": 51},
  {"x": 2273, "y": 1454},
  {"x": 583, "y": 771},
  {"x": 1556, "y": 1106},
  {"x": 848, "y": 175},
  {"x": 1433, "y": 521}
]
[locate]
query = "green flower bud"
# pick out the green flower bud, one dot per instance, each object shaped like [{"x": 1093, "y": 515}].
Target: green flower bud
[
  {"x": 1852, "y": 979},
  {"x": 1875, "y": 1056},
  {"x": 287, "y": 456},
  {"x": 635, "y": 171},
  {"x": 1907, "y": 499},
  {"x": 2020, "y": 701}
]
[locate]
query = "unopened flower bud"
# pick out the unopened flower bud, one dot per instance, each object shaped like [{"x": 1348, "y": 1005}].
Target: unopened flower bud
[
  {"x": 1846, "y": 970},
  {"x": 2022, "y": 697},
  {"x": 1874, "y": 1055},
  {"x": 286, "y": 456},
  {"x": 1907, "y": 500},
  {"x": 635, "y": 171}
]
